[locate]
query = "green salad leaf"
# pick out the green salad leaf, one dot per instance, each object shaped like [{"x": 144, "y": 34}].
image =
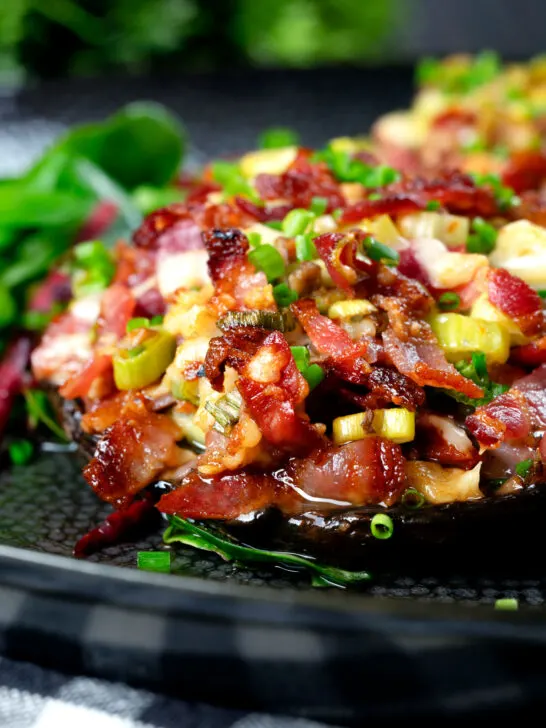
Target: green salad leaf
[{"x": 209, "y": 538}]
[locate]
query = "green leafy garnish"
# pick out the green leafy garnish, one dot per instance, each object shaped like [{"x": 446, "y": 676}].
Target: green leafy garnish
[
  {"x": 522, "y": 469},
  {"x": 209, "y": 538},
  {"x": 20, "y": 451},
  {"x": 93, "y": 268},
  {"x": 229, "y": 176},
  {"x": 278, "y": 137},
  {"x": 347, "y": 168},
  {"x": 40, "y": 411},
  {"x": 483, "y": 239},
  {"x": 476, "y": 370}
]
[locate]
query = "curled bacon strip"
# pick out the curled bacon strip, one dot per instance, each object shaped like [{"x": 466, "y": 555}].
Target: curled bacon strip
[
  {"x": 505, "y": 418},
  {"x": 348, "y": 359},
  {"x": 227, "y": 262},
  {"x": 516, "y": 299},
  {"x": 117, "y": 308},
  {"x": 425, "y": 363},
  {"x": 132, "y": 453}
]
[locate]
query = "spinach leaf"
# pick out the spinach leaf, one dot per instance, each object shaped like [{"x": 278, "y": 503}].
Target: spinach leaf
[{"x": 208, "y": 538}]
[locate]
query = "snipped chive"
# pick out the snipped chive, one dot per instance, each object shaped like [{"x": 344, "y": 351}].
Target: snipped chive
[
  {"x": 268, "y": 259},
  {"x": 159, "y": 561},
  {"x": 376, "y": 250},
  {"x": 381, "y": 526},
  {"x": 260, "y": 319}
]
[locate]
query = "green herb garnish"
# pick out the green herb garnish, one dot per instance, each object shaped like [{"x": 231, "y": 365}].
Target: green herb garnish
[
  {"x": 476, "y": 370},
  {"x": 449, "y": 301},
  {"x": 159, "y": 561},
  {"x": 483, "y": 239},
  {"x": 210, "y": 538},
  {"x": 278, "y": 137},
  {"x": 381, "y": 526},
  {"x": 268, "y": 259}
]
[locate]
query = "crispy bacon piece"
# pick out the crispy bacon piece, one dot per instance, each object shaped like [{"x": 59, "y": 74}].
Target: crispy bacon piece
[
  {"x": 516, "y": 299},
  {"x": 80, "y": 384},
  {"x": 227, "y": 262},
  {"x": 132, "y": 453},
  {"x": 265, "y": 213},
  {"x": 425, "y": 363},
  {"x": 235, "y": 348},
  {"x": 223, "y": 496},
  {"x": 439, "y": 439},
  {"x": 392, "y": 386},
  {"x": 301, "y": 182},
  {"x": 54, "y": 289},
  {"x": 156, "y": 223},
  {"x": 530, "y": 355},
  {"x": 117, "y": 308},
  {"x": 63, "y": 350},
  {"x": 362, "y": 472},
  {"x": 391, "y": 203},
  {"x": 359, "y": 473},
  {"x": 330, "y": 247},
  {"x": 507, "y": 417},
  {"x": 348, "y": 359},
  {"x": 525, "y": 170},
  {"x": 532, "y": 207},
  {"x": 533, "y": 388}
]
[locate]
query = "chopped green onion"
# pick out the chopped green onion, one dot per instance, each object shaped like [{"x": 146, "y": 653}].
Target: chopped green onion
[
  {"x": 449, "y": 301},
  {"x": 159, "y": 561},
  {"x": 505, "y": 196},
  {"x": 94, "y": 268},
  {"x": 314, "y": 374},
  {"x": 432, "y": 205},
  {"x": 274, "y": 224},
  {"x": 138, "y": 323},
  {"x": 156, "y": 321},
  {"x": 20, "y": 451},
  {"x": 378, "y": 251},
  {"x": 301, "y": 357},
  {"x": 284, "y": 295},
  {"x": 318, "y": 205},
  {"x": 478, "y": 145},
  {"x": 229, "y": 175},
  {"x": 412, "y": 498},
  {"x": 226, "y": 411},
  {"x": 305, "y": 247},
  {"x": 479, "y": 362},
  {"x": 484, "y": 238},
  {"x": 259, "y": 319},
  {"x": 278, "y": 137},
  {"x": 522, "y": 469},
  {"x": 347, "y": 168},
  {"x": 268, "y": 259},
  {"x": 381, "y": 526},
  {"x": 374, "y": 196},
  {"x": 507, "y": 605},
  {"x": 542, "y": 293},
  {"x": 297, "y": 222},
  {"x": 135, "y": 351},
  {"x": 255, "y": 239},
  {"x": 337, "y": 213},
  {"x": 40, "y": 410}
]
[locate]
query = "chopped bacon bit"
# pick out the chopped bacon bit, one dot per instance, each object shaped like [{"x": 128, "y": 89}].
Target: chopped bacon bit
[
  {"x": 330, "y": 247},
  {"x": 533, "y": 388},
  {"x": 454, "y": 118},
  {"x": 348, "y": 359},
  {"x": 516, "y": 299},
  {"x": 363, "y": 472},
  {"x": 150, "y": 304},
  {"x": 227, "y": 251},
  {"x": 225, "y": 496},
  {"x": 105, "y": 412},
  {"x": 301, "y": 182},
  {"x": 131, "y": 522},
  {"x": 507, "y": 417},
  {"x": 117, "y": 308},
  {"x": 156, "y": 223},
  {"x": 132, "y": 453},
  {"x": 440, "y": 440},
  {"x": 235, "y": 348},
  {"x": 525, "y": 170},
  {"x": 12, "y": 369},
  {"x": 394, "y": 387},
  {"x": 80, "y": 384},
  {"x": 266, "y": 213},
  {"x": 101, "y": 218},
  {"x": 530, "y": 355},
  {"x": 426, "y": 364},
  {"x": 201, "y": 191},
  {"x": 391, "y": 203}
]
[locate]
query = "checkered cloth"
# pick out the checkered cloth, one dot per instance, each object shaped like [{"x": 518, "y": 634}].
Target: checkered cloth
[
  {"x": 341, "y": 669},
  {"x": 31, "y": 697}
]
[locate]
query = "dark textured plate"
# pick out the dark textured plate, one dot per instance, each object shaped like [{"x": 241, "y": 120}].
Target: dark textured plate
[{"x": 45, "y": 506}]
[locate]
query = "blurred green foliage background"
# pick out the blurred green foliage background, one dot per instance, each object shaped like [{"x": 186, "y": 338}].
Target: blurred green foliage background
[{"x": 48, "y": 38}]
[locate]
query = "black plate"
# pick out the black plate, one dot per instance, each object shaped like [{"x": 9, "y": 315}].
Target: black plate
[{"x": 275, "y": 642}]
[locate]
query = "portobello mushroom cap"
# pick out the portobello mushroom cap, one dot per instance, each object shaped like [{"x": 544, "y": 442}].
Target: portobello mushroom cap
[{"x": 495, "y": 528}]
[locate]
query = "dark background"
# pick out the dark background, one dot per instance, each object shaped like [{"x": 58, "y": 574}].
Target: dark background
[{"x": 59, "y": 38}]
